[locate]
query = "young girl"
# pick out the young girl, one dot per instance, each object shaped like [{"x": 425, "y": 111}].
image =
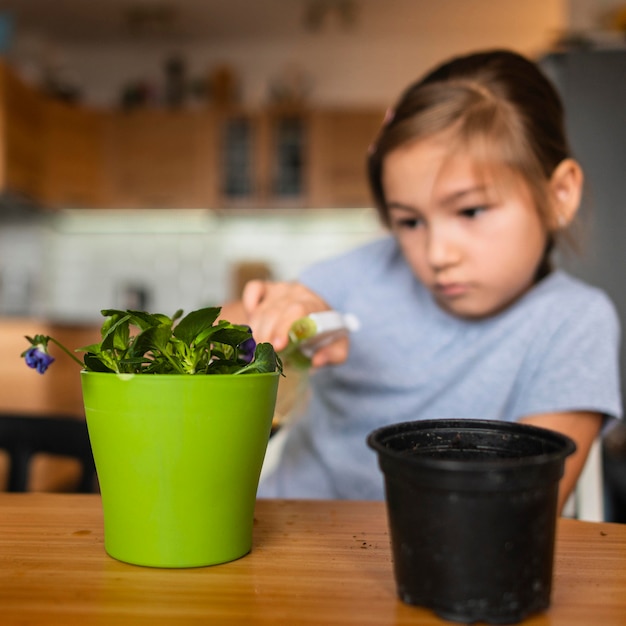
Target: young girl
[{"x": 461, "y": 313}]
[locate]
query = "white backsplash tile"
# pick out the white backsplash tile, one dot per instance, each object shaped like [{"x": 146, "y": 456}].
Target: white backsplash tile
[{"x": 83, "y": 261}]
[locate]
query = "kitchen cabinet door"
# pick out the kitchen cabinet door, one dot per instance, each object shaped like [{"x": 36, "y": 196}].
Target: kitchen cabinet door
[
  {"x": 20, "y": 136},
  {"x": 72, "y": 146},
  {"x": 339, "y": 142},
  {"x": 263, "y": 158},
  {"x": 161, "y": 159}
]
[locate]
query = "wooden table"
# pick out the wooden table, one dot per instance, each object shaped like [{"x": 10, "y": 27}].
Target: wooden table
[{"x": 325, "y": 562}]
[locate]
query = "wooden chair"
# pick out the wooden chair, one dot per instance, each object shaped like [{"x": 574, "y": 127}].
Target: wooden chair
[{"x": 23, "y": 437}]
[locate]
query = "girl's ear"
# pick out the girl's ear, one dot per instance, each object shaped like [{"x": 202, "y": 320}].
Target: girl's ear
[{"x": 566, "y": 186}]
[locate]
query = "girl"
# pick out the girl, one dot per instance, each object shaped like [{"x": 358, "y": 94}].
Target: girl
[{"x": 461, "y": 313}]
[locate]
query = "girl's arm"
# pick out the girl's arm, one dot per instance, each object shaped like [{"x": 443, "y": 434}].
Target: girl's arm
[{"x": 583, "y": 427}]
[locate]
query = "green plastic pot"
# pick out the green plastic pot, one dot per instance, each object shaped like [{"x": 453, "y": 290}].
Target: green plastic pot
[{"x": 178, "y": 460}]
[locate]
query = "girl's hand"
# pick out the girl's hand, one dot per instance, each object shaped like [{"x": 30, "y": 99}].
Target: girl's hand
[{"x": 271, "y": 309}]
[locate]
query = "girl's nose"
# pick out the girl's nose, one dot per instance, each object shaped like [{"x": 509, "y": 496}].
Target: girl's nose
[{"x": 442, "y": 250}]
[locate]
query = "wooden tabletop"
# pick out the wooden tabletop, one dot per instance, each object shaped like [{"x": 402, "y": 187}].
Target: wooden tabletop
[{"x": 312, "y": 562}]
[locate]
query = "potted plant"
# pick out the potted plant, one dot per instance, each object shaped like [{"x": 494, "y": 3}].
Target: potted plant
[{"x": 179, "y": 412}]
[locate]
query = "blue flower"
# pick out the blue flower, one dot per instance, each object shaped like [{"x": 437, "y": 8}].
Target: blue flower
[
  {"x": 38, "y": 358},
  {"x": 245, "y": 350}
]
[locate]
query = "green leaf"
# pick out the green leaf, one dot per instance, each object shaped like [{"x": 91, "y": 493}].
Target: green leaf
[
  {"x": 151, "y": 339},
  {"x": 141, "y": 319},
  {"x": 193, "y": 324},
  {"x": 223, "y": 367},
  {"x": 94, "y": 348},
  {"x": 265, "y": 360},
  {"x": 94, "y": 364},
  {"x": 117, "y": 334},
  {"x": 232, "y": 336},
  {"x": 206, "y": 336},
  {"x": 219, "y": 352}
]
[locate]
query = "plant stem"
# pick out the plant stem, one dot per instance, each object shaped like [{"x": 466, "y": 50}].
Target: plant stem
[
  {"x": 60, "y": 345},
  {"x": 174, "y": 363}
]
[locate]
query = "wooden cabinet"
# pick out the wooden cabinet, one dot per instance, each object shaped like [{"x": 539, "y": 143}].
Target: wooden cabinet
[
  {"x": 337, "y": 169},
  {"x": 296, "y": 157},
  {"x": 70, "y": 156},
  {"x": 160, "y": 158},
  {"x": 238, "y": 158},
  {"x": 50, "y": 152},
  {"x": 262, "y": 158},
  {"x": 21, "y": 123},
  {"x": 72, "y": 146}
]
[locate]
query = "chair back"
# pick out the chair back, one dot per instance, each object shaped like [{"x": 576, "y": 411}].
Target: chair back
[{"x": 23, "y": 437}]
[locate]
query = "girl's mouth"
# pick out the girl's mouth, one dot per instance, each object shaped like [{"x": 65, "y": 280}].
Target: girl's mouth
[{"x": 451, "y": 290}]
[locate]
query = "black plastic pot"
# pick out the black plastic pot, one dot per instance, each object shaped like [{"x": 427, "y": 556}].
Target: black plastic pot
[{"x": 472, "y": 507}]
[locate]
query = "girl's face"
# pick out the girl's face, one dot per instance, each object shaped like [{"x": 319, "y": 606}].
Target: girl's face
[{"x": 474, "y": 243}]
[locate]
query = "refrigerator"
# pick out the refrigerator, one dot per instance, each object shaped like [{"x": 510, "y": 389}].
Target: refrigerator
[{"x": 592, "y": 84}]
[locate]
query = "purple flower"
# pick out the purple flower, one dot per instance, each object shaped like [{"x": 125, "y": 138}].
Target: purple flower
[
  {"x": 245, "y": 350},
  {"x": 38, "y": 359}
]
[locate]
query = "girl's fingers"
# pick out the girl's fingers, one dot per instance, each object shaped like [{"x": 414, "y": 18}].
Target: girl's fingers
[
  {"x": 272, "y": 307},
  {"x": 253, "y": 294},
  {"x": 332, "y": 354}
]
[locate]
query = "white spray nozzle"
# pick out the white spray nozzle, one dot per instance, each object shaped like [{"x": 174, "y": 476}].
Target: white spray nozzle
[{"x": 308, "y": 334}]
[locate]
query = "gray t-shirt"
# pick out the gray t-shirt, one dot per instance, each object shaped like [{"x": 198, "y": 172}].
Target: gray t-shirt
[{"x": 556, "y": 349}]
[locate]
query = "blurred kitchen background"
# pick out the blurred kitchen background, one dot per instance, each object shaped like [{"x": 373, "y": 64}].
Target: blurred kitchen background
[{"x": 161, "y": 152}]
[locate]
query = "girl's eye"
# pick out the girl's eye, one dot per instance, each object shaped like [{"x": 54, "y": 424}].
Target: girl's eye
[
  {"x": 408, "y": 223},
  {"x": 472, "y": 212}
]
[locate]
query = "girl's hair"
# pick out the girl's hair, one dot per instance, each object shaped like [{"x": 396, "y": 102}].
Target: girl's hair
[{"x": 497, "y": 104}]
